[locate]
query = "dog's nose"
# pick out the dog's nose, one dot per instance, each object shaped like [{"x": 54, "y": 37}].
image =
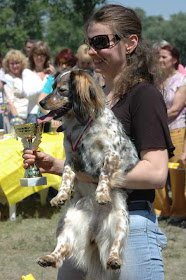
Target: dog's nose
[{"x": 42, "y": 103}]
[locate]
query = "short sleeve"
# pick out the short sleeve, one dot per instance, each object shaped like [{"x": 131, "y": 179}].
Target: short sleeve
[
  {"x": 48, "y": 85},
  {"x": 149, "y": 120}
]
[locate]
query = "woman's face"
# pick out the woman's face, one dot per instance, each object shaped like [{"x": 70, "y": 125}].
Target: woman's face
[
  {"x": 108, "y": 61},
  {"x": 39, "y": 59},
  {"x": 15, "y": 67},
  {"x": 167, "y": 62}
]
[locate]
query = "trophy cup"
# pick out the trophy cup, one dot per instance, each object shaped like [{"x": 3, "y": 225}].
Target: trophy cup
[{"x": 31, "y": 138}]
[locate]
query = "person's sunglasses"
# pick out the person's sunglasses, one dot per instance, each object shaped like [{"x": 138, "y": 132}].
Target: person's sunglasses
[
  {"x": 105, "y": 41},
  {"x": 39, "y": 54}
]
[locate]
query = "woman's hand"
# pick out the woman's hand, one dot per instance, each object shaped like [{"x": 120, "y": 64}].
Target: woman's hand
[
  {"x": 182, "y": 160},
  {"x": 50, "y": 70},
  {"x": 45, "y": 162}
]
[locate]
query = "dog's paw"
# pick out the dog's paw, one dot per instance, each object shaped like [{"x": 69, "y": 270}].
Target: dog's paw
[
  {"x": 47, "y": 261},
  {"x": 59, "y": 200},
  {"x": 114, "y": 263},
  {"x": 103, "y": 198}
]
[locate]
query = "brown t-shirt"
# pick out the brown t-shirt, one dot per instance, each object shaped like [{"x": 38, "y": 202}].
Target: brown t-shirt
[{"x": 142, "y": 112}]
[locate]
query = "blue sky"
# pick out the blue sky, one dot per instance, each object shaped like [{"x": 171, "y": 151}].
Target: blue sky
[{"x": 155, "y": 7}]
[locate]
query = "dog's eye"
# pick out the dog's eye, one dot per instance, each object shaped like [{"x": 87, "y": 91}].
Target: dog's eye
[{"x": 62, "y": 91}]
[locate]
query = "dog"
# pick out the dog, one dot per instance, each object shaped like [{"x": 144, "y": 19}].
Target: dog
[{"x": 94, "y": 228}]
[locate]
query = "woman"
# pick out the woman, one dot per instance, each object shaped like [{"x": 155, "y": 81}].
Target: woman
[
  {"x": 120, "y": 55},
  {"x": 35, "y": 77},
  {"x": 14, "y": 64},
  {"x": 65, "y": 59},
  {"x": 174, "y": 92}
]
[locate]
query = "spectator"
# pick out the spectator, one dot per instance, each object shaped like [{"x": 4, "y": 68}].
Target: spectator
[
  {"x": 35, "y": 77},
  {"x": 14, "y": 64},
  {"x": 174, "y": 91},
  {"x": 28, "y": 46},
  {"x": 85, "y": 61},
  {"x": 65, "y": 59}
]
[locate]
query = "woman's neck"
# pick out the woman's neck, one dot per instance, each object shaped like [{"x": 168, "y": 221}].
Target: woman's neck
[
  {"x": 169, "y": 73},
  {"x": 38, "y": 69},
  {"x": 111, "y": 100},
  {"x": 16, "y": 75}
]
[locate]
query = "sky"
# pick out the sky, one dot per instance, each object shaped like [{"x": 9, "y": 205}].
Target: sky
[{"x": 166, "y": 8}]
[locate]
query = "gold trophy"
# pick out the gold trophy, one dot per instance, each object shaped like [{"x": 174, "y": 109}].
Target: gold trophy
[{"x": 30, "y": 135}]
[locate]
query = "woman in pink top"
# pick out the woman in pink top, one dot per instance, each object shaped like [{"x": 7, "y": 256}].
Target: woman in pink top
[{"x": 174, "y": 91}]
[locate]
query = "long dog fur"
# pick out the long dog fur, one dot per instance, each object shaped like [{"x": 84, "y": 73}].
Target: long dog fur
[{"x": 93, "y": 230}]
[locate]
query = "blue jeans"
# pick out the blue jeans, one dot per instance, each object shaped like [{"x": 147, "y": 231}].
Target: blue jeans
[
  {"x": 142, "y": 256},
  {"x": 32, "y": 118}
]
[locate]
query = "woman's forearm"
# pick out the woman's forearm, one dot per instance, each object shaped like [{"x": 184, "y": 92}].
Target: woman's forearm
[
  {"x": 150, "y": 172},
  {"x": 57, "y": 167}
]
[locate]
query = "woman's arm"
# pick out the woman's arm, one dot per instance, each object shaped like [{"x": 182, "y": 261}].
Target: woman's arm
[
  {"x": 12, "y": 108},
  {"x": 182, "y": 159},
  {"x": 178, "y": 103},
  {"x": 32, "y": 84},
  {"x": 41, "y": 96},
  {"x": 150, "y": 172}
]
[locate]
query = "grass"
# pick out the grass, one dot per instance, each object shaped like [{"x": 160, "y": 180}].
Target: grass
[{"x": 33, "y": 235}]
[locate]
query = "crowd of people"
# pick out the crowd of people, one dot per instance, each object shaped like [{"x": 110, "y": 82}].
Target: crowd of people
[
  {"x": 27, "y": 76},
  {"x": 152, "y": 111}
]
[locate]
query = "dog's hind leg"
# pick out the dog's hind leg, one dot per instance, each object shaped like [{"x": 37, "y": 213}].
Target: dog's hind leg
[
  {"x": 56, "y": 258},
  {"x": 121, "y": 217},
  {"x": 110, "y": 165},
  {"x": 73, "y": 237},
  {"x": 65, "y": 188}
]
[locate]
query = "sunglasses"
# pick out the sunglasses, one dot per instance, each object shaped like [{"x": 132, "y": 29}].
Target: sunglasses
[
  {"x": 106, "y": 41},
  {"x": 39, "y": 54}
]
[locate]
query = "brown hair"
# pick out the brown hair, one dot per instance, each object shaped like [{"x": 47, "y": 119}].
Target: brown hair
[
  {"x": 141, "y": 63},
  {"x": 17, "y": 56},
  {"x": 41, "y": 48},
  {"x": 174, "y": 53}
]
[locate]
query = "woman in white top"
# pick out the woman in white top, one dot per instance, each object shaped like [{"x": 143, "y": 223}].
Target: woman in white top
[
  {"x": 35, "y": 77},
  {"x": 14, "y": 64}
]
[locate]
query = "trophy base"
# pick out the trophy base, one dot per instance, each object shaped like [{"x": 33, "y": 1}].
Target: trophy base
[{"x": 32, "y": 182}]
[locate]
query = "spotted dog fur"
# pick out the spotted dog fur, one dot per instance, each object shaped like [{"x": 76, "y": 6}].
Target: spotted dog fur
[{"x": 94, "y": 228}]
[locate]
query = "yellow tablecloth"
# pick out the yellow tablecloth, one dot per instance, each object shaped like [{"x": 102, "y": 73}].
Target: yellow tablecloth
[{"x": 11, "y": 166}]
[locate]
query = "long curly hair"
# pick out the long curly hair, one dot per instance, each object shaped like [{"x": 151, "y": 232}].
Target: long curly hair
[
  {"x": 15, "y": 55},
  {"x": 142, "y": 63}
]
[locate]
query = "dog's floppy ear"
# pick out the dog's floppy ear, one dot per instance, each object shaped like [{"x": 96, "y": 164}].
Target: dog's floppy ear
[{"x": 88, "y": 98}]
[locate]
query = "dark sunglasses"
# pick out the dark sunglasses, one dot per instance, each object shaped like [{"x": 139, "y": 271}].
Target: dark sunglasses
[{"x": 105, "y": 41}]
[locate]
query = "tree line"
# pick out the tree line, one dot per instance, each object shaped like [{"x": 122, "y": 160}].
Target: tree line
[{"x": 60, "y": 23}]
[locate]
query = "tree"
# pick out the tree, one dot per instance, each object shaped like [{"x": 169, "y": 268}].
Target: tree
[
  {"x": 20, "y": 20},
  {"x": 64, "y": 28}
]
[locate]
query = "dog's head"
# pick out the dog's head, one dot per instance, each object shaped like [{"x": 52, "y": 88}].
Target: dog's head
[{"x": 75, "y": 91}]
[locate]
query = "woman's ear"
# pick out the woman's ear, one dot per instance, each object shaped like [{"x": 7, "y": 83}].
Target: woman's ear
[{"x": 131, "y": 43}]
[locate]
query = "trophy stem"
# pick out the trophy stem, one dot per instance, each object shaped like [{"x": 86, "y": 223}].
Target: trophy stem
[{"x": 31, "y": 138}]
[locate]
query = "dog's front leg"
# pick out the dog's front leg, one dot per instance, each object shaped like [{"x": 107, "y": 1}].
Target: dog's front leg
[
  {"x": 65, "y": 188},
  {"x": 110, "y": 165}
]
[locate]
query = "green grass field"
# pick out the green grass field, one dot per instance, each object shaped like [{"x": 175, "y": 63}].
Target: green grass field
[{"x": 33, "y": 235}]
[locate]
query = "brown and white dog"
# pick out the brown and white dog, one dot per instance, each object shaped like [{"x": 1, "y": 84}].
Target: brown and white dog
[{"x": 94, "y": 228}]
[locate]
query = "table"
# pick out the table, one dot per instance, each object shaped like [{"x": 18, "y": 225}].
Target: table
[{"x": 11, "y": 166}]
